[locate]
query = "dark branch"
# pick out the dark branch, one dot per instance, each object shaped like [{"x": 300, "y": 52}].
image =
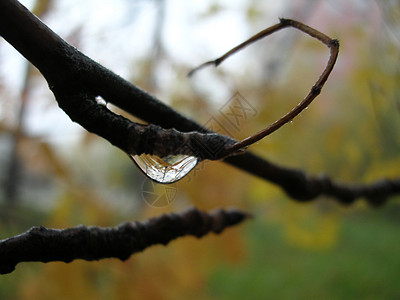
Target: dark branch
[
  {"x": 76, "y": 79},
  {"x": 95, "y": 243},
  {"x": 303, "y": 187}
]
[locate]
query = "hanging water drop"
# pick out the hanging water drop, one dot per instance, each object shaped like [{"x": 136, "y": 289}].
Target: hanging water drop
[
  {"x": 291, "y": 122},
  {"x": 168, "y": 169}
]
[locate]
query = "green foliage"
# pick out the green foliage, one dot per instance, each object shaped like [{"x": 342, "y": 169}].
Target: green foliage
[{"x": 364, "y": 263}]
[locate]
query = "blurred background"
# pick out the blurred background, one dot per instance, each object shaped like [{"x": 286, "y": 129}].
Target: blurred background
[{"x": 55, "y": 174}]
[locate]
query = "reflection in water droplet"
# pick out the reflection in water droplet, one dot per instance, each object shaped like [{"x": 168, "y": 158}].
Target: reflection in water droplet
[
  {"x": 168, "y": 169},
  {"x": 101, "y": 101}
]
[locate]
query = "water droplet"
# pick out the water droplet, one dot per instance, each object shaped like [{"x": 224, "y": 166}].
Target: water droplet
[
  {"x": 306, "y": 107},
  {"x": 168, "y": 169},
  {"x": 291, "y": 122}
]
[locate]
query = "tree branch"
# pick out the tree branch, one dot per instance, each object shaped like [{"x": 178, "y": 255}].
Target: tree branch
[
  {"x": 76, "y": 80},
  {"x": 95, "y": 243}
]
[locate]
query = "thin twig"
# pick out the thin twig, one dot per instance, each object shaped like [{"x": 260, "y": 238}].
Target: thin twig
[{"x": 333, "y": 45}]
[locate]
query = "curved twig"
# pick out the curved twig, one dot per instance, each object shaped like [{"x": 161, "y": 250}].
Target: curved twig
[{"x": 333, "y": 45}]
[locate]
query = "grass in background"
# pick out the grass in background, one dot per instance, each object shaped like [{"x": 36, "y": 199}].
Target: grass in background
[{"x": 364, "y": 263}]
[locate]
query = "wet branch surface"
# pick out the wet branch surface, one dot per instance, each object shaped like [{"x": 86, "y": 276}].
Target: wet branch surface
[{"x": 41, "y": 244}]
